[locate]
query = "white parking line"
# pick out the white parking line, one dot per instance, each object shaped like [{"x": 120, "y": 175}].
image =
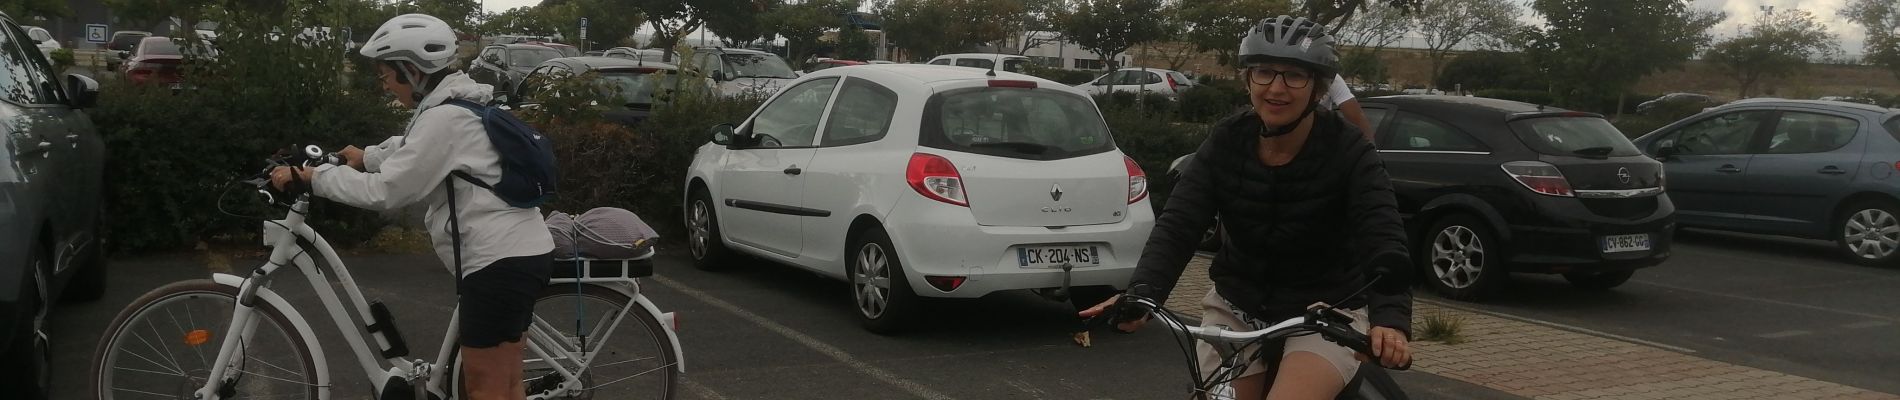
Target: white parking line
[
  {"x": 701, "y": 391},
  {"x": 914, "y": 388},
  {"x": 1775, "y": 302},
  {"x": 1783, "y": 334}
]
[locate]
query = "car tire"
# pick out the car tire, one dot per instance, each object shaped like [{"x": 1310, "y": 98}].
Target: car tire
[
  {"x": 885, "y": 308},
  {"x": 1598, "y": 280},
  {"x": 1868, "y": 233},
  {"x": 703, "y": 238},
  {"x": 26, "y": 367},
  {"x": 1458, "y": 259}
]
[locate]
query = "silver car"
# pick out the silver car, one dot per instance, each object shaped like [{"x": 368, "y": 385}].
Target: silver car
[{"x": 1802, "y": 168}]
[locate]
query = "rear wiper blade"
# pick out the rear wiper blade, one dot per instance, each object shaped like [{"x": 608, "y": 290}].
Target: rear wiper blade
[
  {"x": 1594, "y": 151},
  {"x": 1021, "y": 147}
]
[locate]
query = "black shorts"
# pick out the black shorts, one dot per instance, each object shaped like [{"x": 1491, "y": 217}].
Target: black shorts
[{"x": 498, "y": 301}]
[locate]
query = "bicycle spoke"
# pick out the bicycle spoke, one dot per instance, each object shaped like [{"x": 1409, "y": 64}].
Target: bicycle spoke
[
  {"x": 268, "y": 364},
  {"x": 182, "y": 333},
  {"x": 161, "y": 355},
  {"x": 161, "y": 343},
  {"x": 623, "y": 362},
  {"x": 162, "y": 396},
  {"x": 151, "y": 371},
  {"x": 655, "y": 369}
]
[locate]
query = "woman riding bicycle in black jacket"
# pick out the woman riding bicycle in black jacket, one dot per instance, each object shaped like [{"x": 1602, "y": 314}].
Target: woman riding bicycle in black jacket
[{"x": 1307, "y": 216}]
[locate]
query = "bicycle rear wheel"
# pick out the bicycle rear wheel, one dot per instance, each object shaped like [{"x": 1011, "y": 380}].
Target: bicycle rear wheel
[
  {"x": 164, "y": 344},
  {"x": 629, "y": 360}
]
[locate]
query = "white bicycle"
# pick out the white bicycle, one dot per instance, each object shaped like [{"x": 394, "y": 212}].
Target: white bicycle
[{"x": 232, "y": 337}]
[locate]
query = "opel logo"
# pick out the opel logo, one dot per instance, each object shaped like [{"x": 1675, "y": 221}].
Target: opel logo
[
  {"x": 1055, "y": 192},
  {"x": 1623, "y": 174}
]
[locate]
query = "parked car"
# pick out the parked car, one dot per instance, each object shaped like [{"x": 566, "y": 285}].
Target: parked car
[
  {"x": 1801, "y": 168},
  {"x": 639, "y": 84},
  {"x": 867, "y": 185},
  {"x": 1850, "y": 99},
  {"x": 642, "y": 54},
  {"x": 156, "y": 59},
  {"x": 1140, "y": 80},
  {"x": 121, "y": 42},
  {"x": 1683, "y": 99},
  {"x": 1011, "y": 62},
  {"x": 880, "y": 62},
  {"x": 42, "y": 39},
  {"x": 743, "y": 71},
  {"x": 503, "y": 65},
  {"x": 566, "y": 50},
  {"x": 1490, "y": 187},
  {"x": 50, "y": 175},
  {"x": 828, "y": 63}
]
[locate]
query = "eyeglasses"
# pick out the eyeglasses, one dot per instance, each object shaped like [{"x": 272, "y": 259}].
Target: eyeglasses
[{"x": 1294, "y": 79}]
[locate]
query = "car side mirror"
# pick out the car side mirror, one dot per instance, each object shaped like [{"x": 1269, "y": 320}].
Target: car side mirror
[
  {"x": 124, "y": 54},
  {"x": 723, "y": 134},
  {"x": 82, "y": 91}
]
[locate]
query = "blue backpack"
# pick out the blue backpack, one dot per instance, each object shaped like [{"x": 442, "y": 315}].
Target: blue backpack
[{"x": 527, "y": 157}]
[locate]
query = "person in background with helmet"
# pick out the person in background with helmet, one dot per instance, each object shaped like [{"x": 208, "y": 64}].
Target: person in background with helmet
[
  {"x": 506, "y": 251},
  {"x": 1309, "y": 217}
]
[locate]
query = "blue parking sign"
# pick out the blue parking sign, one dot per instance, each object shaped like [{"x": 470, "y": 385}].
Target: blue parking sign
[{"x": 96, "y": 33}]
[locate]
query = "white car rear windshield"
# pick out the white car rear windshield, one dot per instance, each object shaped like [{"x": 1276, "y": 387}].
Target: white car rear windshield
[{"x": 1034, "y": 124}]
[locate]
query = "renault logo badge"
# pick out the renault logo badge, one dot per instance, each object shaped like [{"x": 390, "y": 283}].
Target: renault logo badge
[{"x": 1055, "y": 192}]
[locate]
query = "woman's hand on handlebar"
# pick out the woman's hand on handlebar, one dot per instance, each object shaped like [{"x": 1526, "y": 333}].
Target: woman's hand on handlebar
[
  {"x": 1390, "y": 346},
  {"x": 280, "y": 177},
  {"x": 1111, "y": 305},
  {"x": 353, "y": 157}
]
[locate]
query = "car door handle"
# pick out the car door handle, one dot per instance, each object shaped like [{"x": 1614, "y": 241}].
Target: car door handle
[
  {"x": 1832, "y": 170},
  {"x": 1728, "y": 169},
  {"x": 794, "y": 170}
]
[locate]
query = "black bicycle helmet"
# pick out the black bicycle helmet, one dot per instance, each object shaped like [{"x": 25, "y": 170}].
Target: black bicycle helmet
[{"x": 1290, "y": 39}]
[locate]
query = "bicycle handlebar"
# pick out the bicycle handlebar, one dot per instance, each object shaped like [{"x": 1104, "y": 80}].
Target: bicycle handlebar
[
  {"x": 1328, "y": 322},
  {"x": 310, "y": 156}
]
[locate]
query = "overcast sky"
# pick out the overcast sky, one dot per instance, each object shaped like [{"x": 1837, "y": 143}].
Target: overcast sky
[{"x": 1740, "y": 12}]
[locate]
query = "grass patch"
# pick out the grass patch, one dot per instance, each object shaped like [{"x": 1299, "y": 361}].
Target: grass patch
[
  {"x": 1443, "y": 327},
  {"x": 399, "y": 240}
]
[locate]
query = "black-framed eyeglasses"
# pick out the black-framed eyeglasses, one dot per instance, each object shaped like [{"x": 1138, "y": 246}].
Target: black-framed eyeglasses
[{"x": 1294, "y": 78}]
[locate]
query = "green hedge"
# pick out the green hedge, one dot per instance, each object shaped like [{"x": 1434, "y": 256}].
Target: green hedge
[
  {"x": 1153, "y": 139},
  {"x": 174, "y": 156},
  {"x": 1527, "y": 96}
]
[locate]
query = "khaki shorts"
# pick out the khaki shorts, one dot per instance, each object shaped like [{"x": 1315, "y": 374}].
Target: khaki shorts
[{"x": 1215, "y": 311}]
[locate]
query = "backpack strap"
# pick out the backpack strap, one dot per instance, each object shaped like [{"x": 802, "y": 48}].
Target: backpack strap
[{"x": 481, "y": 111}]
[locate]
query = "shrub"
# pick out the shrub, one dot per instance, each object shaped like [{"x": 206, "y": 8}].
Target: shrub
[
  {"x": 1153, "y": 141},
  {"x": 173, "y": 155},
  {"x": 1063, "y": 76},
  {"x": 1211, "y": 101},
  {"x": 62, "y": 59}
]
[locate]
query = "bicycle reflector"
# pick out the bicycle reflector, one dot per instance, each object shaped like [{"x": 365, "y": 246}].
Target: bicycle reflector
[{"x": 197, "y": 337}]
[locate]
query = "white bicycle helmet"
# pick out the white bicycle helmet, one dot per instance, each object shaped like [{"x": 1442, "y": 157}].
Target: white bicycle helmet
[{"x": 419, "y": 39}]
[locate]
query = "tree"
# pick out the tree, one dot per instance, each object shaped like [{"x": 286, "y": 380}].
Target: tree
[
  {"x": 1490, "y": 69},
  {"x": 1379, "y": 26},
  {"x": 1446, "y": 24},
  {"x": 146, "y": 14},
  {"x": 1881, "y": 19},
  {"x": 460, "y": 14},
  {"x": 854, "y": 44},
  {"x": 1779, "y": 44},
  {"x": 25, "y": 10},
  {"x": 1606, "y": 47},
  {"x": 804, "y": 23},
  {"x": 1363, "y": 65},
  {"x": 1336, "y": 12},
  {"x": 1110, "y": 27},
  {"x": 744, "y": 24},
  {"x": 1216, "y": 25},
  {"x": 926, "y": 28},
  {"x": 671, "y": 20}
]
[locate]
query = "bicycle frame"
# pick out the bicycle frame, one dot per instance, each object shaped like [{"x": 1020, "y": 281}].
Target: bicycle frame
[{"x": 284, "y": 237}]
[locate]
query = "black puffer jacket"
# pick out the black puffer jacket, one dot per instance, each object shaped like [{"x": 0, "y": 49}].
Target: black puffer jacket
[{"x": 1313, "y": 230}]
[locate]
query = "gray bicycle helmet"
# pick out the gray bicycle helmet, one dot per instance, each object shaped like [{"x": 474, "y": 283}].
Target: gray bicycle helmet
[{"x": 1290, "y": 39}]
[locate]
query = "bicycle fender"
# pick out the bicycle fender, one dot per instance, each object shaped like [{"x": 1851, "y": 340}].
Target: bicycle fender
[
  {"x": 298, "y": 323},
  {"x": 666, "y": 324}
]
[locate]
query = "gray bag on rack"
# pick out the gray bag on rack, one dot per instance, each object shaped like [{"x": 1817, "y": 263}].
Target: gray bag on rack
[{"x": 601, "y": 233}]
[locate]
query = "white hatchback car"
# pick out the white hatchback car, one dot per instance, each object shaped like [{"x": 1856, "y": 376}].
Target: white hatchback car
[
  {"x": 1140, "y": 80},
  {"x": 922, "y": 181}
]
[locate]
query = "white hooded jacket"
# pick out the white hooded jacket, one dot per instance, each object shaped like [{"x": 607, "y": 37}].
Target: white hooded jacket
[{"x": 415, "y": 167}]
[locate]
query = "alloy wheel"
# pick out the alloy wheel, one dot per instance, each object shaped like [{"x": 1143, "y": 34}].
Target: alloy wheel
[
  {"x": 1872, "y": 234},
  {"x": 1458, "y": 257},
  {"x": 871, "y": 274},
  {"x": 700, "y": 231}
]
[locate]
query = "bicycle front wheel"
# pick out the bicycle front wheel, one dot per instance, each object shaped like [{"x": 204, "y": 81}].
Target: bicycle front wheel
[
  {"x": 164, "y": 345},
  {"x": 614, "y": 348}
]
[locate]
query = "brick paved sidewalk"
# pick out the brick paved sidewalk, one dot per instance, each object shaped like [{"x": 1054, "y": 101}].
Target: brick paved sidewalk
[{"x": 1543, "y": 362}]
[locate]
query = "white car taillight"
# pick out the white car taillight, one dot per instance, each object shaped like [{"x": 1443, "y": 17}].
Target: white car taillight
[
  {"x": 1540, "y": 177},
  {"x": 1137, "y": 181},
  {"x": 936, "y": 178}
]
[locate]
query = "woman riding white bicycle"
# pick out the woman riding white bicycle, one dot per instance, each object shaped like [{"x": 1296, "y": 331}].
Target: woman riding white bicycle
[
  {"x": 506, "y": 250},
  {"x": 1307, "y": 214}
]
